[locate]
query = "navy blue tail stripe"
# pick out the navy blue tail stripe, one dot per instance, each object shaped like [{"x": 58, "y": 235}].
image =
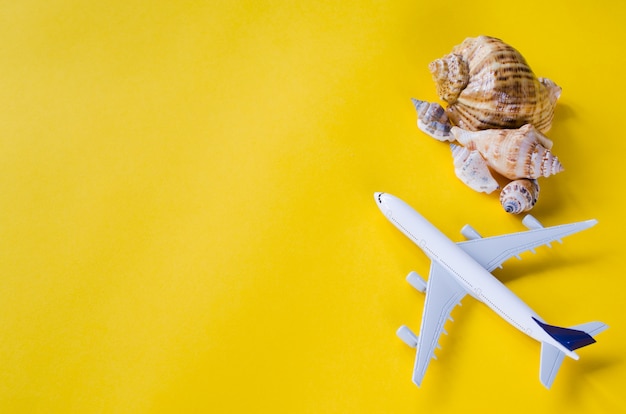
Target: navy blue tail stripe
[{"x": 570, "y": 338}]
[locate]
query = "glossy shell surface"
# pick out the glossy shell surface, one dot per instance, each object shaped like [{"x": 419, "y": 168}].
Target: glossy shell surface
[
  {"x": 519, "y": 196},
  {"x": 513, "y": 153},
  {"x": 488, "y": 84}
]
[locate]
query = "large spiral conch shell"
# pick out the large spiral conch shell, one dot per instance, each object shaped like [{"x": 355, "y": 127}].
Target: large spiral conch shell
[
  {"x": 519, "y": 195},
  {"x": 471, "y": 168},
  {"x": 513, "y": 153},
  {"x": 488, "y": 85}
]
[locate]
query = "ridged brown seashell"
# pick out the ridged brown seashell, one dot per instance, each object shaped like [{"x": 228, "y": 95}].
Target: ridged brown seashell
[
  {"x": 432, "y": 120},
  {"x": 451, "y": 75},
  {"x": 471, "y": 168},
  {"x": 514, "y": 153},
  {"x": 489, "y": 85},
  {"x": 519, "y": 195}
]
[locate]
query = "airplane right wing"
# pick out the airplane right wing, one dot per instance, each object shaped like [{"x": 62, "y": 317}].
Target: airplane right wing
[
  {"x": 443, "y": 293},
  {"x": 491, "y": 252}
]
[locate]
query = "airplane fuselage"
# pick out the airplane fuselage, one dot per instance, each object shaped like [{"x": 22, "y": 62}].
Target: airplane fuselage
[{"x": 476, "y": 280}]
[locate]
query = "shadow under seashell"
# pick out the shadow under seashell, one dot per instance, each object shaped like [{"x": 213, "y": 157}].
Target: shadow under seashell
[
  {"x": 488, "y": 84},
  {"x": 519, "y": 196}
]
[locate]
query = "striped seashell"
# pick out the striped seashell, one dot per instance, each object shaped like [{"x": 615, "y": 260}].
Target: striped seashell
[
  {"x": 451, "y": 75},
  {"x": 519, "y": 195},
  {"x": 488, "y": 85},
  {"x": 513, "y": 153},
  {"x": 432, "y": 120},
  {"x": 471, "y": 168}
]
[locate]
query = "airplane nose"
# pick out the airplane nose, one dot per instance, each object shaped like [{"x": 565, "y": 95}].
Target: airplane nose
[{"x": 381, "y": 202}]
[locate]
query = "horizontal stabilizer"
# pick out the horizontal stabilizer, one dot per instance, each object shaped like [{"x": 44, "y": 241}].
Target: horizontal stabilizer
[
  {"x": 592, "y": 328},
  {"x": 551, "y": 360}
]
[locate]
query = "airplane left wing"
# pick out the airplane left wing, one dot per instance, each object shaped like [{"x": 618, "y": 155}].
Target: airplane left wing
[
  {"x": 491, "y": 252},
  {"x": 443, "y": 293}
]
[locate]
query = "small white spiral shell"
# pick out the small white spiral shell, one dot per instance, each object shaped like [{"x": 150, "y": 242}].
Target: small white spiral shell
[{"x": 519, "y": 195}]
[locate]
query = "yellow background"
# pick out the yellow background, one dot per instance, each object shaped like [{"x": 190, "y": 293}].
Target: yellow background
[{"x": 187, "y": 221}]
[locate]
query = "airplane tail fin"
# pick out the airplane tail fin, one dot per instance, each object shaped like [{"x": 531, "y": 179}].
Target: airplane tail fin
[{"x": 571, "y": 338}]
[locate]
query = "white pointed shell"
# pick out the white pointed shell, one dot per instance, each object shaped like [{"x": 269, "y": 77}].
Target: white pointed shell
[
  {"x": 514, "y": 153},
  {"x": 519, "y": 196},
  {"x": 471, "y": 168},
  {"x": 432, "y": 120},
  {"x": 488, "y": 84}
]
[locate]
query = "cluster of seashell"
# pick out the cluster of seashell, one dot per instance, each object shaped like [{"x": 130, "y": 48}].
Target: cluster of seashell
[{"x": 498, "y": 112}]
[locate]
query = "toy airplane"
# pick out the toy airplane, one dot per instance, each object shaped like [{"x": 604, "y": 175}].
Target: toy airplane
[{"x": 458, "y": 269}]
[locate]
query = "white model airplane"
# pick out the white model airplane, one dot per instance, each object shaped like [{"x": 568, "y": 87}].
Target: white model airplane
[{"x": 458, "y": 269}]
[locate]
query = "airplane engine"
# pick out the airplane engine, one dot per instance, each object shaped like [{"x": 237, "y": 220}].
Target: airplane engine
[
  {"x": 416, "y": 281},
  {"x": 407, "y": 336},
  {"x": 531, "y": 223},
  {"x": 470, "y": 233}
]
